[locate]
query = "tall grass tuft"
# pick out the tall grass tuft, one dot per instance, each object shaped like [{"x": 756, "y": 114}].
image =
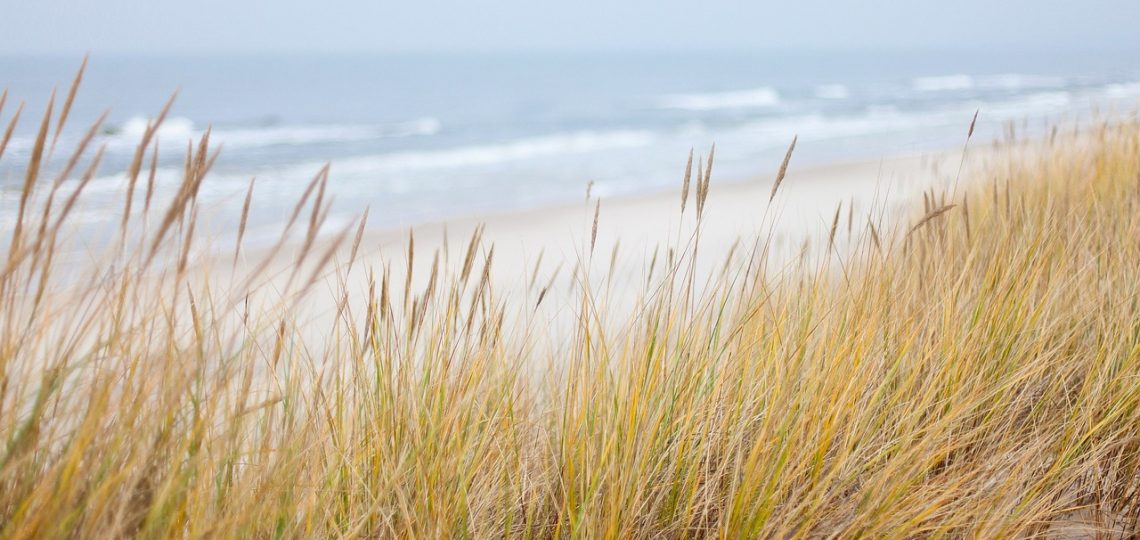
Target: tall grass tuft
[{"x": 942, "y": 384}]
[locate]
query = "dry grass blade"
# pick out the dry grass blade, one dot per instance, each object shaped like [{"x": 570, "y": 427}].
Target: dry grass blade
[
  {"x": 317, "y": 217},
  {"x": 685, "y": 183},
  {"x": 933, "y": 214},
  {"x": 148, "y": 137},
  {"x": 703, "y": 182},
  {"x": 73, "y": 160},
  {"x": 197, "y": 164},
  {"x": 783, "y": 169},
  {"x": 150, "y": 179},
  {"x": 360, "y": 237},
  {"x": 541, "y": 297},
  {"x": 323, "y": 262},
  {"x": 478, "y": 297},
  {"x": 850, "y": 215},
  {"x": 66, "y": 110},
  {"x": 10, "y": 129},
  {"x": 244, "y": 219},
  {"x": 30, "y": 176},
  {"x": 411, "y": 263},
  {"x": 385, "y": 298},
  {"x": 709, "y": 167},
  {"x": 966, "y": 215},
  {"x": 874, "y": 236},
  {"x": 965, "y": 148},
  {"x": 88, "y": 174},
  {"x": 834, "y": 226},
  {"x": 700, "y": 186},
  {"x": 537, "y": 266},
  {"x": 319, "y": 179},
  {"x": 469, "y": 258},
  {"x": 594, "y": 228},
  {"x": 318, "y": 203},
  {"x": 188, "y": 239}
]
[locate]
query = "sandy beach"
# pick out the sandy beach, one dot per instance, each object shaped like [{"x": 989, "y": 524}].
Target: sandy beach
[{"x": 536, "y": 251}]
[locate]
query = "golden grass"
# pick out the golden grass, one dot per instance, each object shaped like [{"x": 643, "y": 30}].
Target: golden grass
[{"x": 938, "y": 383}]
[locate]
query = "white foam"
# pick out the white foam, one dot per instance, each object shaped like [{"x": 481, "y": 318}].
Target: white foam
[
  {"x": 890, "y": 120},
  {"x": 831, "y": 91},
  {"x": 178, "y": 130},
  {"x": 1122, "y": 90},
  {"x": 1003, "y": 81},
  {"x": 420, "y": 126},
  {"x": 820, "y": 127},
  {"x": 1032, "y": 105},
  {"x": 943, "y": 83},
  {"x": 175, "y": 127},
  {"x": 300, "y": 135},
  {"x": 291, "y": 135},
  {"x": 481, "y": 155},
  {"x": 1018, "y": 81},
  {"x": 738, "y": 99}
]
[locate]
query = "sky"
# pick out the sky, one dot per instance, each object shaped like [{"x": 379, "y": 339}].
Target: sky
[{"x": 253, "y": 26}]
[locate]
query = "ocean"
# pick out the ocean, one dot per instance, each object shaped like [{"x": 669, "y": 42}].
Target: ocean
[{"x": 423, "y": 137}]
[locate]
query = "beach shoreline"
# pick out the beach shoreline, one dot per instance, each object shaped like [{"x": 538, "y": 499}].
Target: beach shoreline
[
  {"x": 539, "y": 253},
  {"x": 736, "y": 209}
]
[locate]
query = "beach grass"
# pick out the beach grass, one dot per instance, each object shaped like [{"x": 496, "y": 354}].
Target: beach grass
[{"x": 971, "y": 372}]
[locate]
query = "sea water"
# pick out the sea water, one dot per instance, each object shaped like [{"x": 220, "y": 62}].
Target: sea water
[{"x": 420, "y": 137}]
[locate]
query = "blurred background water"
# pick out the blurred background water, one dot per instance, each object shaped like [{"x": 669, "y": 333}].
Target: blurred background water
[{"x": 422, "y": 137}]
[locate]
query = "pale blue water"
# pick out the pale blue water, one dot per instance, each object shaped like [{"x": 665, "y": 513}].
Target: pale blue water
[{"x": 427, "y": 137}]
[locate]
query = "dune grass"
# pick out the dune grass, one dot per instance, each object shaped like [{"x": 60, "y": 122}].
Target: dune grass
[{"x": 974, "y": 372}]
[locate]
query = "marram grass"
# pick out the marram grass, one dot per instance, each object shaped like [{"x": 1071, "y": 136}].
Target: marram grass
[{"x": 974, "y": 374}]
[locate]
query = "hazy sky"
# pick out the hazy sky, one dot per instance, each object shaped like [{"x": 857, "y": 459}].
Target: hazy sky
[{"x": 158, "y": 26}]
